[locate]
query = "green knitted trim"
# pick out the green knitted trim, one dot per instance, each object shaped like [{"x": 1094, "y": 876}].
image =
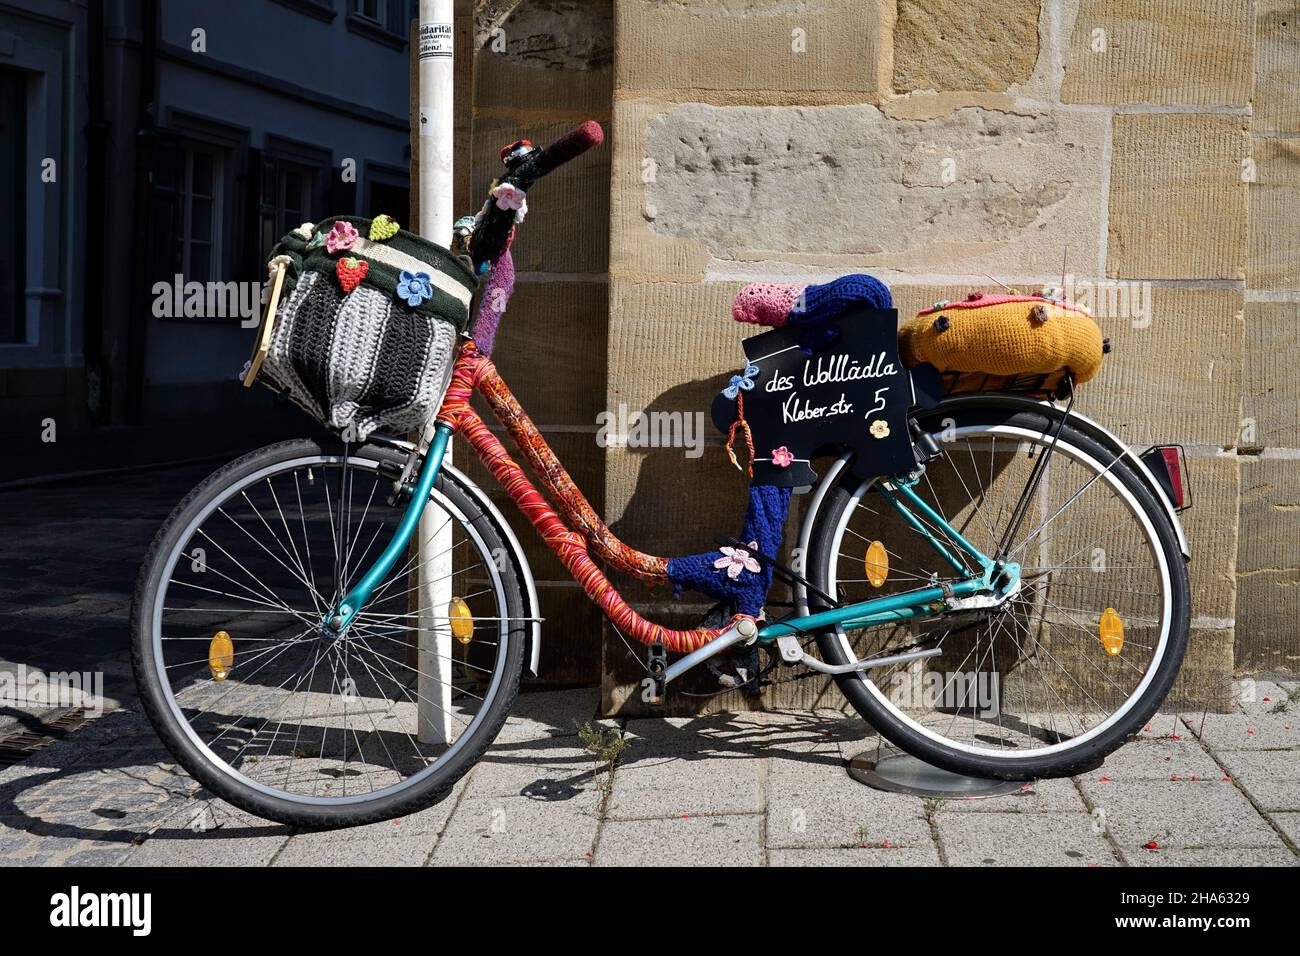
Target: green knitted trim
[{"x": 380, "y": 275}]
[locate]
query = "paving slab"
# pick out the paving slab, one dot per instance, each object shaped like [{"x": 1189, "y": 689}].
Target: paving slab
[
  {"x": 836, "y": 813},
  {"x": 1160, "y": 759},
  {"x": 676, "y": 786},
  {"x": 551, "y": 769},
  {"x": 539, "y": 715},
  {"x": 870, "y": 856},
  {"x": 493, "y": 831},
  {"x": 1214, "y": 856},
  {"x": 1178, "y": 814},
  {"x": 1272, "y": 778},
  {"x": 1258, "y": 697},
  {"x": 1248, "y": 732},
  {"x": 1288, "y": 823},
  {"x": 1043, "y": 796},
  {"x": 692, "y": 841},
  {"x": 327, "y": 849},
  {"x": 207, "y": 850},
  {"x": 1023, "y": 839}
]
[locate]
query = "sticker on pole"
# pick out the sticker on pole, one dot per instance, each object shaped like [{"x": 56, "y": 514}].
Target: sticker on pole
[{"x": 436, "y": 41}]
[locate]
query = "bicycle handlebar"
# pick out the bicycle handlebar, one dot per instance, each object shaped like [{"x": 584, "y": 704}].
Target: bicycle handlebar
[
  {"x": 493, "y": 231},
  {"x": 569, "y": 146}
]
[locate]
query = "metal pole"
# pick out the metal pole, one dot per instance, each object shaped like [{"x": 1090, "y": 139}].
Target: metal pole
[{"x": 436, "y": 103}]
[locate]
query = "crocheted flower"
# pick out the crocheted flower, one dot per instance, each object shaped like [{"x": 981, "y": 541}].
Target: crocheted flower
[
  {"x": 350, "y": 272},
  {"x": 508, "y": 196},
  {"x": 414, "y": 287},
  {"x": 880, "y": 428},
  {"x": 736, "y": 560},
  {"x": 382, "y": 228},
  {"x": 305, "y": 230},
  {"x": 342, "y": 236},
  {"x": 782, "y": 457},
  {"x": 744, "y": 381}
]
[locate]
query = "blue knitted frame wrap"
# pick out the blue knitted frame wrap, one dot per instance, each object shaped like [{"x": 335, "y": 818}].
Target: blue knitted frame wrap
[{"x": 764, "y": 525}]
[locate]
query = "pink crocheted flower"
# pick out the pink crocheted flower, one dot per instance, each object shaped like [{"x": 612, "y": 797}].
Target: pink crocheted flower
[
  {"x": 508, "y": 196},
  {"x": 736, "y": 560},
  {"x": 341, "y": 237},
  {"x": 782, "y": 457}
]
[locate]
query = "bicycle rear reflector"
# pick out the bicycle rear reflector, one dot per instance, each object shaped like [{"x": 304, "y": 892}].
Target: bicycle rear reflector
[
  {"x": 1111, "y": 631},
  {"x": 221, "y": 656},
  {"x": 1168, "y": 463},
  {"x": 876, "y": 564},
  {"x": 462, "y": 622}
]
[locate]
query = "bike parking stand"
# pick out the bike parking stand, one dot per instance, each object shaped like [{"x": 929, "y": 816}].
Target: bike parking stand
[{"x": 891, "y": 770}]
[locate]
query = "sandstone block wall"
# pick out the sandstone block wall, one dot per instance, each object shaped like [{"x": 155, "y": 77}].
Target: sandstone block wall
[
  {"x": 1149, "y": 147},
  {"x": 929, "y": 142}
]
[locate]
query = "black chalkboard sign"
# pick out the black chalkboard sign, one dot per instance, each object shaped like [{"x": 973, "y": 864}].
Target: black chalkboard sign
[{"x": 852, "y": 394}]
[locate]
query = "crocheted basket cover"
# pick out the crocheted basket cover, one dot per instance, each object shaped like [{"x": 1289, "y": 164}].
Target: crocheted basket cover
[
  {"x": 350, "y": 350},
  {"x": 1014, "y": 337}
]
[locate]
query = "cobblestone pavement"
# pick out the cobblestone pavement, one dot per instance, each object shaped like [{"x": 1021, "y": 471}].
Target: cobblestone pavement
[{"x": 747, "y": 789}]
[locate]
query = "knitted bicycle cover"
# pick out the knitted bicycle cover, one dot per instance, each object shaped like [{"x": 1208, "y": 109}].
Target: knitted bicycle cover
[
  {"x": 365, "y": 336},
  {"x": 777, "y": 305},
  {"x": 734, "y": 574},
  {"x": 1022, "y": 339}
]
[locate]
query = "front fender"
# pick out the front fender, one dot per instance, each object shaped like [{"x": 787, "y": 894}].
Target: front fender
[{"x": 532, "y": 609}]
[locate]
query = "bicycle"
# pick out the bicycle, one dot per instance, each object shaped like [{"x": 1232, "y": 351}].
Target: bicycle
[{"x": 961, "y": 607}]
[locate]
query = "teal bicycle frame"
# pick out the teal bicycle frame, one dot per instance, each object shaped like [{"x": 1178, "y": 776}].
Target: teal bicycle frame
[{"x": 981, "y": 573}]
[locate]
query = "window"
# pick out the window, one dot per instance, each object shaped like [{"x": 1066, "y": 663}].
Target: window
[
  {"x": 320, "y": 9},
  {"x": 188, "y": 209},
  {"x": 290, "y": 197},
  {"x": 388, "y": 21},
  {"x": 198, "y": 247},
  {"x": 13, "y": 169},
  {"x": 388, "y": 191}
]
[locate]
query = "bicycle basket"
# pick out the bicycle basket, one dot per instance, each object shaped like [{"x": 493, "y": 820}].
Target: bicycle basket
[
  {"x": 1004, "y": 343},
  {"x": 361, "y": 324}
]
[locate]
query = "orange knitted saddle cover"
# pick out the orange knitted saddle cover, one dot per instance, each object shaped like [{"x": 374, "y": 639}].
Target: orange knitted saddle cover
[{"x": 1004, "y": 341}]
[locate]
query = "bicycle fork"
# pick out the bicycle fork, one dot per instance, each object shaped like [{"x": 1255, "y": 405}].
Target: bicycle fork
[{"x": 350, "y": 605}]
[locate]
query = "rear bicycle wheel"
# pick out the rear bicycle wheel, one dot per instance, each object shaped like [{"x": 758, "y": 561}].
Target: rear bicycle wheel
[
  {"x": 260, "y": 702},
  {"x": 1027, "y": 688}
]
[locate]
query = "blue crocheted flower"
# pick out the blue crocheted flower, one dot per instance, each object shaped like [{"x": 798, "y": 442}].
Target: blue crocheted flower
[
  {"x": 738, "y": 382},
  {"x": 414, "y": 287}
]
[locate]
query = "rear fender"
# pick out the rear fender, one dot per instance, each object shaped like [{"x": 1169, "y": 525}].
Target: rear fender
[{"x": 1012, "y": 402}]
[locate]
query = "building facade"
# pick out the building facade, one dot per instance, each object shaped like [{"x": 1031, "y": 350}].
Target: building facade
[{"x": 157, "y": 144}]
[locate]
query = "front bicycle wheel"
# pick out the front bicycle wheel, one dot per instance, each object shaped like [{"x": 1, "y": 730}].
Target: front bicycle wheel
[
  {"x": 268, "y": 708},
  {"x": 1079, "y": 654}
]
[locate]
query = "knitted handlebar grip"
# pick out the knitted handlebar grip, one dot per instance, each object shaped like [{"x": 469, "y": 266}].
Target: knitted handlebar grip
[{"x": 569, "y": 146}]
